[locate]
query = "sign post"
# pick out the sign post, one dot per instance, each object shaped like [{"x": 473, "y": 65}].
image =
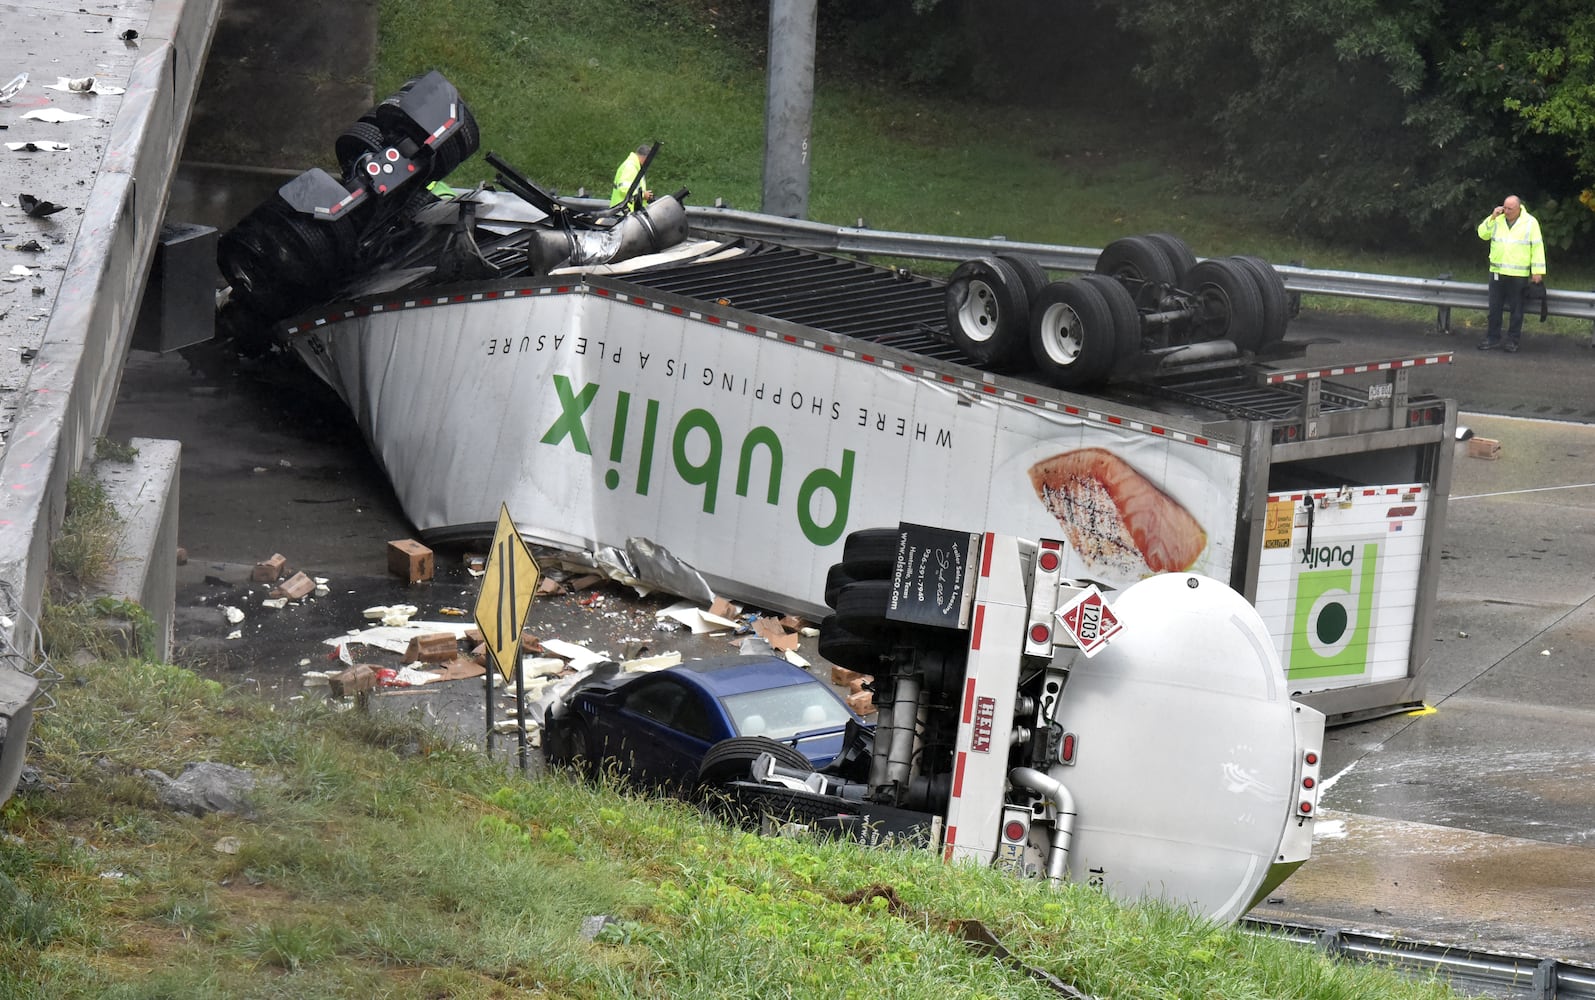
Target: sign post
[{"x": 507, "y": 590}]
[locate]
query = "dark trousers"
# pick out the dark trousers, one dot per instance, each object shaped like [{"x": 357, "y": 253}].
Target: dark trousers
[{"x": 1506, "y": 290}]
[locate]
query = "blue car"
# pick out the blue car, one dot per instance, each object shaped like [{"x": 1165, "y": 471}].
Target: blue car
[{"x": 696, "y": 724}]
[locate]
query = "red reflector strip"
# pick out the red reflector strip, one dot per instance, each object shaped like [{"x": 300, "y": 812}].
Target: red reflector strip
[
  {"x": 985, "y": 555},
  {"x": 969, "y": 700},
  {"x": 958, "y": 774},
  {"x": 949, "y": 840},
  {"x": 980, "y": 621}
]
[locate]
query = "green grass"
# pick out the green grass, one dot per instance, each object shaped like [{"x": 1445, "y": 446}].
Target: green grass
[
  {"x": 563, "y": 89},
  {"x": 382, "y": 862}
]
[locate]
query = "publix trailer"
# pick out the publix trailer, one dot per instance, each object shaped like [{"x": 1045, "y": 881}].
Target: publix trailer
[{"x": 731, "y": 409}]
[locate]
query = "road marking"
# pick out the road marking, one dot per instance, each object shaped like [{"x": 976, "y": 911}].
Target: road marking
[{"x": 1536, "y": 489}]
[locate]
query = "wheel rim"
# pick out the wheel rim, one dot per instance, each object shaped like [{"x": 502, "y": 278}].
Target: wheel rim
[
  {"x": 1062, "y": 334},
  {"x": 978, "y": 314},
  {"x": 1217, "y": 310}
]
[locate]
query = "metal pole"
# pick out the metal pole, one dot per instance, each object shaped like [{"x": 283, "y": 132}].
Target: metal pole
[
  {"x": 487, "y": 688},
  {"x": 520, "y": 701},
  {"x": 789, "y": 108}
]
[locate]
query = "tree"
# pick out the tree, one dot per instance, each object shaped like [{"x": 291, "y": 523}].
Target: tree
[{"x": 1391, "y": 119}]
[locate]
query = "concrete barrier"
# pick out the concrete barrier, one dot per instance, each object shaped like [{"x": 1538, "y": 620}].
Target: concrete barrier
[{"x": 71, "y": 388}]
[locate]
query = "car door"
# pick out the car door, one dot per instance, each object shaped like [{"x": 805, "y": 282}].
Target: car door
[{"x": 664, "y": 727}]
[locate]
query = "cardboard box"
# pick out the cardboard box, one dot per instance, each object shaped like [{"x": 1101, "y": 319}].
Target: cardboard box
[
  {"x": 842, "y": 677},
  {"x": 1486, "y": 448},
  {"x": 863, "y": 702},
  {"x": 409, "y": 560},
  {"x": 270, "y": 570},
  {"x": 357, "y": 679},
  {"x": 295, "y": 587},
  {"x": 432, "y": 647}
]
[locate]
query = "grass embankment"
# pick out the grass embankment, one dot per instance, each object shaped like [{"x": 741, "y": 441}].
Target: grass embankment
[
  {"x": 381, "y": 862},
  {"x": 563, "y": 89}
]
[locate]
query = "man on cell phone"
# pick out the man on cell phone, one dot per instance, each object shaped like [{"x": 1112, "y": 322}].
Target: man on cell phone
[{"x": 1517, "y": 258}]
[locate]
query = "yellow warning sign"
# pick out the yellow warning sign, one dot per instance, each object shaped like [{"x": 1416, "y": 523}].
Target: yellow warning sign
[
  {"x": 507, "y": 589},
  {"x": 1277, "y": 524}
]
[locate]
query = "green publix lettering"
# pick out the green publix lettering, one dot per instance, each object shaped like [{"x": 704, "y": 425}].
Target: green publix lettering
[{"x": 571, "y": 424}]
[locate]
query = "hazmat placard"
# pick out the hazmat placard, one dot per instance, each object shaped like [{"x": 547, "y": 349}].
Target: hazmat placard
[{"x": 1089, "y": 621}]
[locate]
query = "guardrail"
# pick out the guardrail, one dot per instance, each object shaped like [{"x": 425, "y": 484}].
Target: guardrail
[
  {"x": 1472, "y": 973},
  {"x": 1440, "y": 293}
]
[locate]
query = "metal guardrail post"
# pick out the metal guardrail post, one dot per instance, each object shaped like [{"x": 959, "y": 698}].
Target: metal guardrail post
[
  {"x": 1545, "y": 979},
  {"x": 1442, "y": 320}
]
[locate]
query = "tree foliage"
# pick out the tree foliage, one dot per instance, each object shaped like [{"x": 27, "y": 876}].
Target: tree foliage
[{"x": 1391, "y": 120}]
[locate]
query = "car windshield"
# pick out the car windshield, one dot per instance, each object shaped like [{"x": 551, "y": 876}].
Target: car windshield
[{"x": 783, "y": 712}]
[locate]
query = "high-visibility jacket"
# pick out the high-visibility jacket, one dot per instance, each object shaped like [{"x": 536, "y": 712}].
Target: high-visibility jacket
[
  {"x": 624, "y": 175},
  {"x": 1515, "y": 249}
]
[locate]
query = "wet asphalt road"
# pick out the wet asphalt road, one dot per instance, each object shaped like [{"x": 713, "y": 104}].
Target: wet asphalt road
[{"x": 1471, "y": 824}]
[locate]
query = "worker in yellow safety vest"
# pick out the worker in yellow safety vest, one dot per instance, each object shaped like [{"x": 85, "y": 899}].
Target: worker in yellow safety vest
[
  {"x": 627, "y": 172},
  {"x": 1517, "y": 259}
]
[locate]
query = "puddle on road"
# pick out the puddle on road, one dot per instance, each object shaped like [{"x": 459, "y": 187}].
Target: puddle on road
[{"x": 1438, "y": 883}]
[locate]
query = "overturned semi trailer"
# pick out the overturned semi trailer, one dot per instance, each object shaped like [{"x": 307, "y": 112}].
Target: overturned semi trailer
[{"x": 729, "y": 409}]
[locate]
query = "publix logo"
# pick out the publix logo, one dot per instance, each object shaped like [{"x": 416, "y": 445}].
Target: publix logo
[
  {"x": 1332, "y": 615},
  {"x": 697, "y": 451}
]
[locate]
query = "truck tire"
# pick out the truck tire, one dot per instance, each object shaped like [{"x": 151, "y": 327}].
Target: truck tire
[
  {"x": 836, "y": 578},
  {"x": 357, "y": 140},
  {"x": 1230, "y": 304},
  {"x": 870, "y": 553},
  {"x": 1276, "y": 298},
  {"x": 1177, "y": 251},
  {"x": 1032, "y": 276},
  {"x": 987, "y": 312},
  {"x": 568, "y": 744},
  {"x": 861, "y": 609},
  {"x": 1141, "y": 263},
  {"x": 1126, "y": 321},
  {"x": 847, "y": 649},
  {"x": 1072, "y": 335},
  {"x": 732, "y": 760},
  {"x": 458, "y": 147}
]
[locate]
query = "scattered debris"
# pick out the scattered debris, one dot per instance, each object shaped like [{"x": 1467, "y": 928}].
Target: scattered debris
[
  {"x": 227, "y": 845},
  {"x": 270, "y": 570},
  {"x": 432, "y": 647},
  {"x": 13, "y": 87},
  {"x": 204, "y": 787},
  {"x": 409, "y": 560},
  {"x": 38, "y": 208},
  {"x": 35, "y": 146},
  {"x": 232, "y": 614},
  {"x": 55, "y": 116},
  {"x": 1485, "y": 448},
  {"x": 357, "y": 679},
  {"x": 295, "y": 587},
  {"x": 276, "y": 603},
  {"x": 580, "y": 657},
  {"x": 84, "y": 85}
]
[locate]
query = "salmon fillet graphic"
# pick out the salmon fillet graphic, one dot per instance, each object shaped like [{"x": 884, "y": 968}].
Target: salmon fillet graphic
[{"x": 1114, "y": 516}]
